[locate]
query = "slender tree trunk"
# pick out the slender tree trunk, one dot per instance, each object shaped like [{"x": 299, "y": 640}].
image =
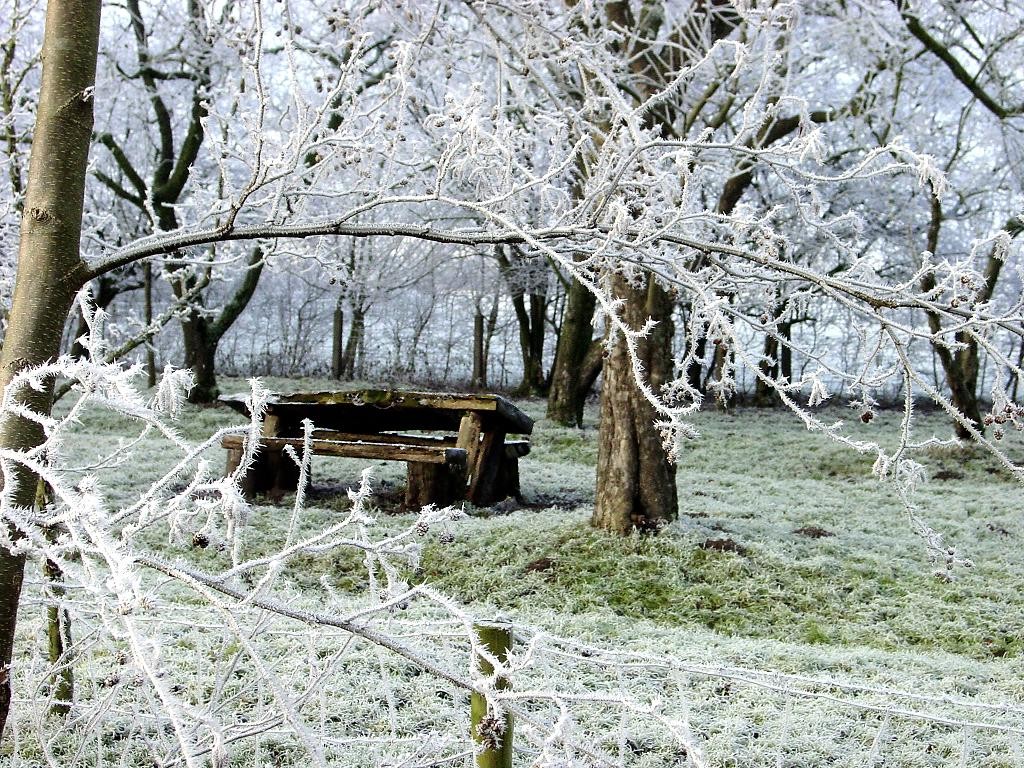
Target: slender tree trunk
[
  {"x": 531, "y": 328},
  {"x": 147, "y": 288},
  {"x": 786, "y": 350},
  {"x": 337, "y": 341},
  {"x": 104, "y": 290},
  {"x": 58, "y": 623},
  {"x": 530, "y": 324},
  {"x": 479, "y": 378},
  {"x": 765, "y": 395},
  {"x": 50, "y": 269},
  {"x": 352, "y": 345},
  {"x": 719, "y": 361},
  {"x": 567, "y": 394},
  {"x": 533, "y": 360},
  {"x": 636, "y": 484},
  {"x": 961, "y": 367},
  {"x": 489, "y": 329},
  {"x": 1014, "y": 377},
  {"x": 695, "y": 370}
]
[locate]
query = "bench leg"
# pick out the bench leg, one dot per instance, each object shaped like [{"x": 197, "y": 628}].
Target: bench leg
[
  {"x": 272, "y": 473},
  {"x": 507, "y": 482},
  {"x": 438, "y": 484}
]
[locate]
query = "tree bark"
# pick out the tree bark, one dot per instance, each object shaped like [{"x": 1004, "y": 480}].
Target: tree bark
[
  {"x": 352, "y": 345},
  {"x": 479, "y": 378},
  {"x": 568, "y": 393},
  {"x": 636, "y": 483},
  {"x": 50, "y": 269},
  {"x": 765, "y": 396},
  {"x": 199, "y": 356},
  {"x": 961, "y": 366},
  {"x": 202, "y": 335},
  {"x": 147, "y": 286},
  {"x": 337, "y": 341},
  {"x": 530, "y": 324}
]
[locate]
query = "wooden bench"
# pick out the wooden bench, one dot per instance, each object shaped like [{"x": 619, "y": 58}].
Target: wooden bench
[
  {"x": 475, "y": 423},
  {"x": 436, "y": 471},
  {"x": 506, "y": 483}
]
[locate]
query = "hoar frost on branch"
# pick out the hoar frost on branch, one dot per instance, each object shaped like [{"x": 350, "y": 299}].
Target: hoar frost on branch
[{"x": 543, "y": 136}]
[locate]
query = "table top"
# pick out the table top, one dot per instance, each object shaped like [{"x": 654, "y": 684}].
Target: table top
[{"x": 383, "y": 410}]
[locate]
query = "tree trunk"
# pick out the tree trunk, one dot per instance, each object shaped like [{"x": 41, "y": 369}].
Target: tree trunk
[
  {"x": 530, "y": 324},
  {"x": 567, "y": 394},
  {"x": 199, "y": 356},
  {"x": 201, "y": 335},
  {"x": 50, "y": 269},
  {"x": 104, "y": 290},
  {"x": 960, "y": 367},
  {"x": 58, "y": 622},
  {"x": 786, "y": 350},
  {"x": 337, "y": 341},
  {"x": 636, "y": 484},
  {"x": 695, "y": 333},
  {"x": 533, "y": 353},
  {"x": 479, "y": 378},
  {"x": 355, "y": 340},
  {"x": 489, "y": 328},
  {"x": 147, "y": 287},
  {"x": 764, "y": 394}
]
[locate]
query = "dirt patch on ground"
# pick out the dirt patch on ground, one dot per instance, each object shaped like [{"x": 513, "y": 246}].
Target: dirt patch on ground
[{"x": 724, "y": 545}]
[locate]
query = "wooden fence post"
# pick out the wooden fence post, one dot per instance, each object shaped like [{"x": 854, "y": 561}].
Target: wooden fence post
[{"x": 494, "y": 734}]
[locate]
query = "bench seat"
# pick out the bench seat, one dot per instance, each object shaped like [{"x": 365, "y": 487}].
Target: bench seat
[
  {"x": 362, "y": 449},
  {"x": 436, "y": 472}
]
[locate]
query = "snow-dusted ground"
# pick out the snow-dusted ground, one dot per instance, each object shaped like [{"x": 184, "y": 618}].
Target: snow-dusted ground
[{"x": 779, "y": 648}]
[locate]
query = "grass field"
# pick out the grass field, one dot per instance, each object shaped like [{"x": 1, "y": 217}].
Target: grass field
[{"x": 788, "y": 559}]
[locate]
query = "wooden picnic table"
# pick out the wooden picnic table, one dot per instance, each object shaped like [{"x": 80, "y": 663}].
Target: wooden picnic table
[{"x": 470, "y": 458}]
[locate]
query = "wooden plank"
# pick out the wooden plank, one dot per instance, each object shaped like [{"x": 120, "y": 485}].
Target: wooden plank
[
  {"x": 517, "y": 448},
  {"x": 271, "y": 425},
  {"x": 361, "y": 450},
  {"x": 433, "y": 410},
  {"x": 515, "y": 420},
  {"x": 385, "y": 437}
]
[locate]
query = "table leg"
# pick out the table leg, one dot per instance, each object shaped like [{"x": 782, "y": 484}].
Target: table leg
[
  {"x": 272, "y": 472},
  {"x": 484, "y": 449},
  {"x": 438, "y": 484},
  {"x": 470, "y": 431}
]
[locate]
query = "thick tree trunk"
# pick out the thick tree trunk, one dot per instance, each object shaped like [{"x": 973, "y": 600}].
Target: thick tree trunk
[
  {"x": 199, "y": 356},
  {"x": 50, "y": 270},
  {"x": 201, "y": 335},
  {"x": 568, "y": 394},
  {"x": 636, "y": 484}
]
